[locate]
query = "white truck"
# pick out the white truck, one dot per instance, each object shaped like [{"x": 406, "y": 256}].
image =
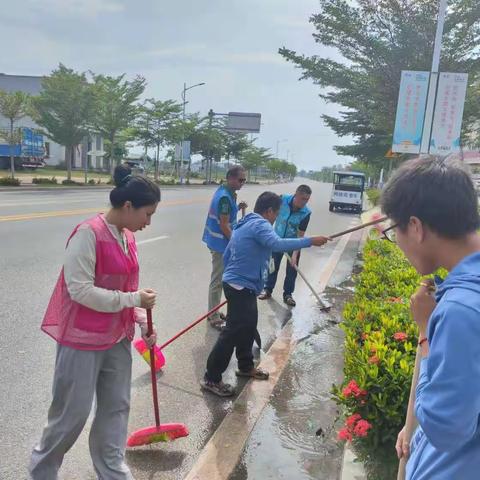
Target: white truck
[{"x": 347, "y": 191}]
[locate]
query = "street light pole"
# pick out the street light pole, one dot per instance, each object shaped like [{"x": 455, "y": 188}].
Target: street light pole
[
  {"x": 278, "y": 143},
  {"x": 184, "y": 102}
]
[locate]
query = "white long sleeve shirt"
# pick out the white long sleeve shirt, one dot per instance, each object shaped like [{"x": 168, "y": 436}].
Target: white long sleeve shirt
[{"x": 79, "y": 274}]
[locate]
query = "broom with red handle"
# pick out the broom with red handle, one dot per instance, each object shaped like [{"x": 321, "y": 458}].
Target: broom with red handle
[{"x": 160, "y": 432}]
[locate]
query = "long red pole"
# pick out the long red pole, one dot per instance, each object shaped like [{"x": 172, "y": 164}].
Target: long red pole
[{"x": 186, "y": 329}]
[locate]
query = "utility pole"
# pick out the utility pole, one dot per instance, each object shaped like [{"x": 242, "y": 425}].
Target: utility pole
[{"x": 432, "y": 89}]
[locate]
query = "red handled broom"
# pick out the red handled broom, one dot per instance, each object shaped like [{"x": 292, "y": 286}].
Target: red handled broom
[{"x": 160, "y": 432}]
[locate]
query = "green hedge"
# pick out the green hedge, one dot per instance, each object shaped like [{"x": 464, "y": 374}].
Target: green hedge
[
  {"x": 9, "y": 182},
  {"x": 380, "y": 348},
  {"x": 72, "y": 183},
  {"x": 44, "y": 181}
]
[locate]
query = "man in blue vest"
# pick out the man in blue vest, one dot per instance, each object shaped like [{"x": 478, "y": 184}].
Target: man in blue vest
[
  {"x": 292, "y": 222},
  {"x": 222, "y": 217}
]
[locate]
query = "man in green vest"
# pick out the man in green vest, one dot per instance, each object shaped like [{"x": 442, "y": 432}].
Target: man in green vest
[{"x": 292, "y": 222}]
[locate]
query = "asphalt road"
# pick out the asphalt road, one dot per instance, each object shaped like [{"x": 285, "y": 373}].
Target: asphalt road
[{"x": 34, "y": 226}]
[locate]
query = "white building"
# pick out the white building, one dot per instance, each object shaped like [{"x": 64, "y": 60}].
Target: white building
[{"x": 90, "y": 150}]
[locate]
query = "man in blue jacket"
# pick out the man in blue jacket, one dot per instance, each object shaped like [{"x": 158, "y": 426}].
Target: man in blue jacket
[
  {"x": 292, "y": 222},
  {"x": 221, "y": 218},
  {"x": 246, "y": 259},
  {"x": 434, "y": 209}
]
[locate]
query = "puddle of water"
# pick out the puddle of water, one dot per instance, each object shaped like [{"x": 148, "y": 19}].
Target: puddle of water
[{"x": 314, "y": 320}]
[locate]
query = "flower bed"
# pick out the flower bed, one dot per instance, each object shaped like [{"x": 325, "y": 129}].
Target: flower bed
[{"x": 380, "y": 348}]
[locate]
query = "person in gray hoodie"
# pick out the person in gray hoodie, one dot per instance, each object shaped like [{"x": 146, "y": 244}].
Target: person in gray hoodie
[
  {"x": 246, "y": 260},
  {"x": 434, "y": 209}
]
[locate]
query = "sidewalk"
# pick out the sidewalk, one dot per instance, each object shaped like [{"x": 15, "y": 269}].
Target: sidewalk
[{"x": 286, "y": 428}]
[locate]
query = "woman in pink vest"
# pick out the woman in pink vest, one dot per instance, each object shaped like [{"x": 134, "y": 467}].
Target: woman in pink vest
[{"x": 92, "y": 314}]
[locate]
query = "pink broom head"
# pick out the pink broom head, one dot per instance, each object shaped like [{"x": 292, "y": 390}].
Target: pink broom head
[
  {"x": 144, "y": 351},
  {"x": 166, "y": 432}
]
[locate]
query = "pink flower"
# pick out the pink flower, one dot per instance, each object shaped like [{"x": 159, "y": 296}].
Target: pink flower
[
  {"x": 374, "y": 359},
  {"x": 352, "y": 420},
  {"x": 400, "y": 336},
  {"x": 345, "y": 435},
  {"x": 361, "y": 428}
]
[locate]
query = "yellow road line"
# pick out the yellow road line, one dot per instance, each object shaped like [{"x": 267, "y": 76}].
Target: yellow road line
[{"x": 83, "y": 211}]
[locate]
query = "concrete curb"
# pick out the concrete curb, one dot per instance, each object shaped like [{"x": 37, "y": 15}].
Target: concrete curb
[
  {"x": 223, "y": 451},
  {"x": 351, "y": 469}
]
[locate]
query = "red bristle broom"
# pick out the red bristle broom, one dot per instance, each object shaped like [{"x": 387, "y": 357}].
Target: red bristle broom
[{"x": 160, "y": 432}]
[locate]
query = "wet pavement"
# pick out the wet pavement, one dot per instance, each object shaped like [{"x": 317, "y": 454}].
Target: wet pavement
[{"x": 295, "y": 437}]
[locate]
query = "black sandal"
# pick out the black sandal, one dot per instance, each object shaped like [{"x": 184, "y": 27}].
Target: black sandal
[
  {"x": 288, "y": 299},
  {"x": 255, "y": 373},
  {"x": 218, "y": 388}
]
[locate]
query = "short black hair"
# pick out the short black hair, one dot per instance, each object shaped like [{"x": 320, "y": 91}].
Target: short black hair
[
  {"x": 304, "y": 189},
  {"x": 141, "y": 191},
  {"x": 439, "y": 192},
  {"x": 235, "y": 171},
  {"x": 267, "y": 200}
]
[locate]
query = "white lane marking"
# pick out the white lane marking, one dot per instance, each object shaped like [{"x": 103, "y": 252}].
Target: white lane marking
[{"x": 154, "y": 239}]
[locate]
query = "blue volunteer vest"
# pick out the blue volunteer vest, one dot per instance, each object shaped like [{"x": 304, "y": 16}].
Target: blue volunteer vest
[
  {"x": 286, "y": 225},
  {"x": 212, "y": 235}
]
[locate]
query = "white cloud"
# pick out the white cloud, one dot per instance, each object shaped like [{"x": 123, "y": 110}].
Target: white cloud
[
  {"x": 255, "y": 57},
  {"x": 300, "y": 23},
  {"x": 79, "y": 8},
  {"x": 184, "y": 51}
]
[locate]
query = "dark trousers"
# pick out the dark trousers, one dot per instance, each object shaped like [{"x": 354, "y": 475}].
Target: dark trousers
[
  {"x": 238, "y": 334},
  {"x": 290, "y": 277}
]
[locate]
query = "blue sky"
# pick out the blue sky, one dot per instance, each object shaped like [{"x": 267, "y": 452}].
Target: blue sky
[{"x": 231, "y": 45}]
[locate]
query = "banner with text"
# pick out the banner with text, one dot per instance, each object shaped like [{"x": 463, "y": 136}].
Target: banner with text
[
  {"x": 447, "y": 120},
  {"x": 412, "y": 100}
]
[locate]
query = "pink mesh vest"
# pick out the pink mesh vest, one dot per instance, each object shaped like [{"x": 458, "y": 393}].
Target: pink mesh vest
[{"x": 76, "y": 326}]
